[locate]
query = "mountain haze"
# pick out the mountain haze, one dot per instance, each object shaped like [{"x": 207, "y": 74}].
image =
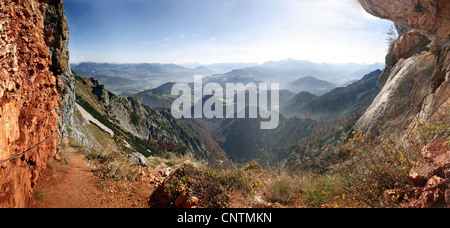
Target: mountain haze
[
  {"x": 133, "y": 78},
  {"x": 340, "y": 102},
  {"x": 310, "y": 84}
]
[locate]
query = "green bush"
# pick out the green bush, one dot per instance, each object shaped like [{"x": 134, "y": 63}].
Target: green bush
[{"x": 320, "y": 189}]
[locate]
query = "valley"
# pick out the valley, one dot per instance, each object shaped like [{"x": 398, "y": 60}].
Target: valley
[{"x": 312, "y": 134}]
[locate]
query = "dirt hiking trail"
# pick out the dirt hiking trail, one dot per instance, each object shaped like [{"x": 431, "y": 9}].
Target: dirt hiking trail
[{"x": 74, "y": 185}]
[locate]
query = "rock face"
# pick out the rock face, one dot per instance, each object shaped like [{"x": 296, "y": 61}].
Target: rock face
[
  {"x": 416, "y": 88},
  {"x": 28, "y": 93},
  {"x": 430, "y": 18},
  {"x": 408, "y": 44},
  {"x": 56, "y": 33},
  {"x": 415, "y": 83}
]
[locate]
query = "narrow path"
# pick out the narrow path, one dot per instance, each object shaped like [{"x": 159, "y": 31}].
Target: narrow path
[
  {"x": 75, "y": 186},
  {"x": 68, "y": 186}
]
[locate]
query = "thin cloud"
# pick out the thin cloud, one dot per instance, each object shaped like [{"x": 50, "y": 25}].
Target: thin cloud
[{"x": 229, "y": 30}]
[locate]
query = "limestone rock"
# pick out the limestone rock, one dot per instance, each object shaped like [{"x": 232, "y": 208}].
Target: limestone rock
[
  {"x": 137, "y": 159},
  {"x": 407, "y": 44},
  {"x": 415, "y": 83},
  {"x": 56, "y": 32},
  {"x": 430, "y": 18},
  {"x": 416, "y": 89}
]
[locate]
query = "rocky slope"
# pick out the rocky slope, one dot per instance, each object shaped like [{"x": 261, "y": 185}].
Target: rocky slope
[
  {"x": 159, "y": 97},
  {"x": 415, "y": 90},
  {"x": 127, "y": 120},
  {"x": 31, "y": 60},
  {"x": 415, "y": 83}
]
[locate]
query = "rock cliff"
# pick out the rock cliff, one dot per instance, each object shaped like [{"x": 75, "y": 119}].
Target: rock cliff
[
  {"x": 416, "y": 81},
  {"x": 56, "y": 33},
  {"x": 33, "y": 56}
]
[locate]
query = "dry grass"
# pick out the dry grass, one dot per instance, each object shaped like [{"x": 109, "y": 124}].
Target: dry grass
[
  {"x": 43, "y": 194},
  {"x": 282, "y": 190},
  {"x": 377, "y": 164},
  {"x": 63, "y": 155},
  {"x": 120, "y": 168},
  {"x": 113, "y": 164}
]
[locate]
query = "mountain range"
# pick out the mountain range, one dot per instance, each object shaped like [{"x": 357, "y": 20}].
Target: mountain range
[
  {"x": 102, "y": 119},
  {"x": 134, "y": 78},
  {"x": 340, "y": 102},
  {"x": 304, "y": 119}
]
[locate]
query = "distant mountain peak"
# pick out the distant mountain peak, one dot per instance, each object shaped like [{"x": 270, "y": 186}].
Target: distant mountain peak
[{"x": 311, "y": 84}]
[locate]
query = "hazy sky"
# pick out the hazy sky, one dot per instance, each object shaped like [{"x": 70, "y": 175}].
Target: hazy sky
[{"x": 213, "y": 31}]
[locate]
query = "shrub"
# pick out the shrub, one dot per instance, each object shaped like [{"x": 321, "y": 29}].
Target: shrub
[
  {"x": 391, "y": 37},
  {"x": 98, "y": 155},
  {"x": 120, "y": 169},
  {"x": 114, "y": 165},
  {"x": 377, "y": 164},
  {"x": 282, "y": 190},
  {"x": 447, "y": 144},
  {"x": 427, "y": 131},
  {"x": 212, "y": 187},
  {"x": 320, "y": 189}
]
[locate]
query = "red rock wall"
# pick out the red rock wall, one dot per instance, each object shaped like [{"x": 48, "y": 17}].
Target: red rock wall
[{"x": 28, "y": 99}]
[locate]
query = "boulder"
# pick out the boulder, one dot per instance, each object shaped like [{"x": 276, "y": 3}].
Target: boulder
[{"x": 137, "y": 159}]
